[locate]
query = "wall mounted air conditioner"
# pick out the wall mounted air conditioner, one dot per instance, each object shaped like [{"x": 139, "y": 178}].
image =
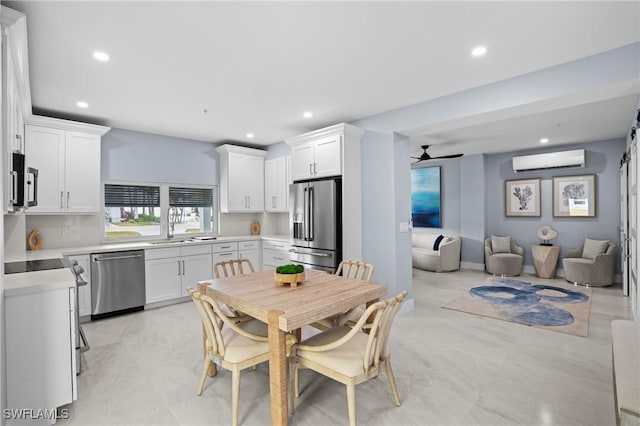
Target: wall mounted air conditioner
[{"x": 550, "y": 160}]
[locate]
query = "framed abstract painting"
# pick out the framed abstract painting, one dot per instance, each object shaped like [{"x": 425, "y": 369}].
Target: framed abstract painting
[
  {"x": 426, "y": 197},
  {"x": 574, "y": 196},
  {"x": 522, "y": 197}
]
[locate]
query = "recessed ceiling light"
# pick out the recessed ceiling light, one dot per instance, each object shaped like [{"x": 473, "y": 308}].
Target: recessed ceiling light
[
  {"x": 307, "y": 114},
  {"x": 101, "y": 56},
  {"x": 544, "y": 140},
  {"x": 82, "y": 104},
  {"x": 479, "y": 51},
  {"x": 250, "y": 135}
]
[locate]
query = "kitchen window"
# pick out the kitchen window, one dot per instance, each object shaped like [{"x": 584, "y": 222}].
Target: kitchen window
[
  {"x": 190, "y": 210},
  {"x": 147, "y": 211}
]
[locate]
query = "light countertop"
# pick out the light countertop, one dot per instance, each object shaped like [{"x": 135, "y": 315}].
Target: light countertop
[
  {"x": 33, "y": 282},
  {"x": 138, "y": 245}
]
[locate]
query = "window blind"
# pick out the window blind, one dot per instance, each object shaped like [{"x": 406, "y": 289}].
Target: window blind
[
  {"x": 190, "y": 197},
  {"x": 131, "y": 196}
]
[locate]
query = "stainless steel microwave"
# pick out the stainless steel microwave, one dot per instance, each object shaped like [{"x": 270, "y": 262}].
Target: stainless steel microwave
[{"x": 24, "y": 183}]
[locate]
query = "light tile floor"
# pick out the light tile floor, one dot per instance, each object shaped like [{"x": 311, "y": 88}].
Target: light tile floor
[{"x": 452, "y": 368}]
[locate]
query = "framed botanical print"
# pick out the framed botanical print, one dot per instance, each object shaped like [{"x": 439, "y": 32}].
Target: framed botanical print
[
  {"x": 522, "y": 197},
  {"x": 574, "y": 196}
]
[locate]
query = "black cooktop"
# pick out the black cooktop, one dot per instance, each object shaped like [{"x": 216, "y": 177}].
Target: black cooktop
[{"x": 34, "y": 265}]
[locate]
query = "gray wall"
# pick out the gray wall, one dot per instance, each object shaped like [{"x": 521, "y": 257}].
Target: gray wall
[
  {"x": 602, "y": 159},
  {"x": 137, "y": 156},
  {"x": 473, "y": 202}
]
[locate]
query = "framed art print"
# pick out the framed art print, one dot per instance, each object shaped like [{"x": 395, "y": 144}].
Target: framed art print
[
  {"x": 522, "y": 197},
  {"x": 574, "y": 196},
  {"x": 425, "y": 197}
]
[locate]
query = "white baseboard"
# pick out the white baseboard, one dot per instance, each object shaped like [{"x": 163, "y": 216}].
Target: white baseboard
[{"x": 473, "y": 266}]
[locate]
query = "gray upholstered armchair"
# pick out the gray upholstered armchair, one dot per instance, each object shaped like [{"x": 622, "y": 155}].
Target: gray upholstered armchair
[
  {"x": 591, "y": 263},
  {"x": 502, "y": 256}
]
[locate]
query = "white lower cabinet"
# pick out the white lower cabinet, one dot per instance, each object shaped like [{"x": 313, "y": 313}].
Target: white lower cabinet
[
  {"x": 84, "y": 292},
  {"x": 40, "y": 355},
  {"x": 250, "y": 250},
  {"x": 274, "y": 253},
  {"x": 170, "y": 271},
  {"x": 224, "y": 251}
]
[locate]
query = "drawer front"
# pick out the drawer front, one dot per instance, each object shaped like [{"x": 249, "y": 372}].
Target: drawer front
[
  {"x": 274, "y": 258},
  {"x": 248, "y": 245},
  {"x": 225, "y": 247},
  {"x": 227, "y": 255},
  {"x": 161, "y": 253},
  {"x": 275, "y": 245},
  {"x": 195, "y": 249}
]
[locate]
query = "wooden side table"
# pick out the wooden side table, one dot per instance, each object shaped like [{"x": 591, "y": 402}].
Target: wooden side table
[{"x": 545, "y": 259}]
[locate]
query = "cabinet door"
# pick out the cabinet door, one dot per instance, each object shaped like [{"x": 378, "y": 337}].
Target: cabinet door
[
  {"x": 44, "y": 150},
  {"x": 254, "y": 179},
  {"x": 237, "y": 185},
  {"x": 40, "y": 320},
  {"x": 302, "y": 161},
  {"x": 327, "y": 157},
  {"x": 163, "y": 279},
  {"x": 194, "y": 269},
  {"x": 253, "y": 256},
  {"x": 276, "y": 185},
  {"x": 84, "y": 292},
  {"x": 82, "y": 173}
]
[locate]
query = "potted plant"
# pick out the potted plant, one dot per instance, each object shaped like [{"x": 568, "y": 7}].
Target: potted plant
[{"x": 289, "y": 274}]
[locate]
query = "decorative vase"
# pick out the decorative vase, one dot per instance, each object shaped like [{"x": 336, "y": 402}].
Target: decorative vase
[{"x": 291, "y": 279}]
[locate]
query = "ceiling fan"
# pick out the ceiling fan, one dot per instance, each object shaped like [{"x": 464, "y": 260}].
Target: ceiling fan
[{"x": 425, "y": 157}]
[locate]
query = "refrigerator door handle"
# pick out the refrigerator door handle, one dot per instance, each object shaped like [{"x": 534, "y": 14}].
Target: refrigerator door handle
[
  {"x": 311, "y": 213},
  {"x": 305, "y": 217}
]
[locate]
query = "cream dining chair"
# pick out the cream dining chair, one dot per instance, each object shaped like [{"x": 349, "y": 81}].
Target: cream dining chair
[
  {"x": 234, "y": 347},
  {"x": 349, "y": 355},
  {"x": 231, "y": 268},
  {"x": 349, "y": 269}
]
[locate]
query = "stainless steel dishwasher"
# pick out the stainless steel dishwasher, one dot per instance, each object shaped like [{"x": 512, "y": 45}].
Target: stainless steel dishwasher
[{"x": 117, "y": 283}]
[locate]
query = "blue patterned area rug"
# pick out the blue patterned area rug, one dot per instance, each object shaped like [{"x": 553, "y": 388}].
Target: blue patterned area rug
[{"x": 559, "y": 308}]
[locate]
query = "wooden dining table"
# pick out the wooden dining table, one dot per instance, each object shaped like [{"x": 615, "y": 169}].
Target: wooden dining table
[{"x": 286, "y": 309}]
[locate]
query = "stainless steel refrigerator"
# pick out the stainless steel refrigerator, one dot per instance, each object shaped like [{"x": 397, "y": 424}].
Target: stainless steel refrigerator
[{"x": 315, "y": 223}]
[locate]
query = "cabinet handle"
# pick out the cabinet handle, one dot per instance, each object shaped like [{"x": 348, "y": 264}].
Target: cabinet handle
[
  {"x": 21, "y": 146},
  {"x": 14, "y": 187},
  {"x": 310, "y": 168},
  {"x": 67, "y": 199},
  {"x": 183, "y": 268},
  {"x": 225, "y": 247},
  {"x": 273, "y": 202},
  {"x": 179, "y": 271},
  {"x": 226, "y": 254},
  {"x": 61, "y": 196},
  {"x": 248, "y": 201},
  {"x": 315, "y": 171},
  {"x": 278, "y": 258}
]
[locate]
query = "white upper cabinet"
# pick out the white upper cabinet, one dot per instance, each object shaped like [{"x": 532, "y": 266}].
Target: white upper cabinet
[
  {"x": 324, "y": 153},
  {"x": 67, "y": 157},
  {"x": 317, "y": 158},
  {"x": 276, "y": 184},
  {"x": 241, "y": 179}
]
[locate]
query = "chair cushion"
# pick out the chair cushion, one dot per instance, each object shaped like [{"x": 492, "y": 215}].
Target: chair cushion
[
  {"x": 346, "y": 359},
  {"x": 592, "y": 248},
  {"x": 500, "y": 244},
  {"x": 240, "y": 348}
]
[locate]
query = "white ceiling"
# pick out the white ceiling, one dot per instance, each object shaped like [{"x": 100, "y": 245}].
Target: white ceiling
[{"x": 257, "y": 66}]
